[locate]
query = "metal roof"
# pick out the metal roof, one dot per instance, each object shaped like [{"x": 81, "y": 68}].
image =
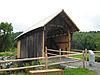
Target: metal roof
[{"x": 41, "y": 23}]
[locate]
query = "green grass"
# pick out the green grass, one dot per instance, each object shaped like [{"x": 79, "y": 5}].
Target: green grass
[
  {"x": 21, "y": 73},
  {"x": 97, "y": 54},
  {"x": 11, "y": 52},
  {"x": 7, "y": 54},
  {"x": 75, "y": 71},
  {"x": 79, "y": 71},
  {"x": 77, "y": 56},
  {"x": 81, "y": 56},
  {"x": 97, "y": 57}
]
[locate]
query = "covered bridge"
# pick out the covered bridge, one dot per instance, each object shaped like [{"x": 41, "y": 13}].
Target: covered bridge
[{"x": 55, "y": 32}]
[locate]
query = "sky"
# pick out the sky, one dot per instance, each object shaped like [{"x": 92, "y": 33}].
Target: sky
[{"x": 25, "y": 13}]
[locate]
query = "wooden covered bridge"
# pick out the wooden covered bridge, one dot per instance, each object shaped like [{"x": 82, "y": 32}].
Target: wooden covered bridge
[{"x": 55, "y": 32}]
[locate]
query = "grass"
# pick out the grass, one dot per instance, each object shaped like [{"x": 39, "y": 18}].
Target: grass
[
  {"x": 20, "y": 73},
  {"x": 81, "y": 56},
  {"x": 77, "y": 56},
  {"x": 75, "y": 71},
  {"x": 79, "y": 71},
  {"x": 7, "y": 54},
  {"x": 97, "y": 57},
  {"x": 11, "y": 52},
  {"x": 97, "y": 54}
]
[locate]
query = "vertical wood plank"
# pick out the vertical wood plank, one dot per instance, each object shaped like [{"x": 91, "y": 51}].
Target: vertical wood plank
[
  {"x": 83, "y": 59},
  {"x": 69, "y": 40},
  {"x": 18, "y": 48},
  {"x": 43, "y": 43}
]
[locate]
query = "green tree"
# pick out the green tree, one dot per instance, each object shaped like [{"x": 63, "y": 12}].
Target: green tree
[
  {"x": 5, "y": 36},
  {"x": 97, "y": 41},
  {"x": 82, "y": 40},
  {"x": 14, "y": 35}
]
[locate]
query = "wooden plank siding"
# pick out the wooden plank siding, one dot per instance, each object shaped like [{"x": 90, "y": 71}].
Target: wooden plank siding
[
  {"x": 18, "y": 48},
  {"x": 31, "y": 45}
]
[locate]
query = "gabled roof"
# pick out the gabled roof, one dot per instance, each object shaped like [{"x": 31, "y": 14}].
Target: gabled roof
[{"x": 45, "y": 21}]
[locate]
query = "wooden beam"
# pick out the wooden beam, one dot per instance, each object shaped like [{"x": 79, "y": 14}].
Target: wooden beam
[
  {"x": 27, "y": 67},
  {"x": 21, "y": 68},
  {"x": 69, "y": 40},
  {"x": 52, "y": 50},
  {"x": 25, "y": 59},
  {"x": 46, "y": 72},
  {"x": 60, "y": 53},
  {"x": 38, "y": 58},
  {"x": 18, "y": 48},
  {"x": 46, "y": 58}
]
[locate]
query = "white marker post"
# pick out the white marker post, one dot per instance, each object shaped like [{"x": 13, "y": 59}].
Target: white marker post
[{"x": 91, "y": 58}]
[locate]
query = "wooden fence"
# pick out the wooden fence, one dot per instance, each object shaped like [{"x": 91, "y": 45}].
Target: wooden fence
[{"x": 45, "y": 58}]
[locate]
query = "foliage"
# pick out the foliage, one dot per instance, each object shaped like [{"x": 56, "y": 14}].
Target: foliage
[
  {"x": 89, "y": 40},
  {"x": 5, "y": 36},
  {"x": 14, "y": 35},
  {"x": 97, "y": 41}
]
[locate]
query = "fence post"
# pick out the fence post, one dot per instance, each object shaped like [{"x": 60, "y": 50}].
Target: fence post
[
  {"x": 85, "y": 54},
  {"x": 83, "y": 59},
  {"x": 46, "y": 58},
  {"x": 60, "y": 53}
]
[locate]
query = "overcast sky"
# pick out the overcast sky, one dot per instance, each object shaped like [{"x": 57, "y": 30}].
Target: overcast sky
[{"x": 25, "y": 13}]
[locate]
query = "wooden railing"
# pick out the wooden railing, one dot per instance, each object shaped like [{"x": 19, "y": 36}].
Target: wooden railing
[
  {"x": 61, "y": 52},
  {"x": 45, "y": 58}
]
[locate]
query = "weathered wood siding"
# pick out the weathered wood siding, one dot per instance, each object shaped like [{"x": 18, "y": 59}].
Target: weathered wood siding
[
  {"x": 60, "y": 42},
  {"x": 58, "y": 34},
  {"x": 18, "y": 48},
  {"x": 31, "y": 45}
]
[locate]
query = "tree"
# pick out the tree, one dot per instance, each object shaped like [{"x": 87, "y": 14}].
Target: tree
[
  {"x": 97, "y": 41},
  {"x": 82, "y": 40},
  {"x": 5, "y": 36},
  {"x": 14, "y": 35}
]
